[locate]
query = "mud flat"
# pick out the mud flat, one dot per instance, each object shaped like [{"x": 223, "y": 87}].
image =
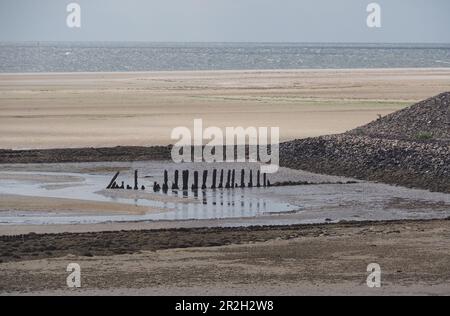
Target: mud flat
[
  {"x": 119, "y": 153},
  {"x": 286, "y": 260}
]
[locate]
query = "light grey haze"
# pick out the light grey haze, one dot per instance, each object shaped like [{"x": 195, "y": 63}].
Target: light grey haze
[{"x": 424, "y": 21}]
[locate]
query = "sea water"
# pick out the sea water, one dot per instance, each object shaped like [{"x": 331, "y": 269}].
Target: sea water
[{"x": 129, "y": 56}]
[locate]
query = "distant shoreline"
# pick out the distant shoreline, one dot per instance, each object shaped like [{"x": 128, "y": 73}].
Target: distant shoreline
[{"x": 227, "y": 71}]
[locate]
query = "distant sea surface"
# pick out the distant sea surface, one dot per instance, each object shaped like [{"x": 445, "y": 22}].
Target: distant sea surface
[{"x": 102, "y": 56}]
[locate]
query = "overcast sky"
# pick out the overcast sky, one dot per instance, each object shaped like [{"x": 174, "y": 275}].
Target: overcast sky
[{"x": 226, "y": 21}]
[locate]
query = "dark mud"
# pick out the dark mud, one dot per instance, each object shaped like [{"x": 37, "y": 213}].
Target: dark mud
[{"x": 40, "y": 246}]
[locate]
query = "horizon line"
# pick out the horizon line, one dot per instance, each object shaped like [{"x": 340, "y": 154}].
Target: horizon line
[{"x": 210, "y": 42}]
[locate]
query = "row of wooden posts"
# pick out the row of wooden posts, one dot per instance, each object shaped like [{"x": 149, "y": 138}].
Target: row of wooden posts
[
  {"x": 230, "y": 182},
  {"x": 113, "y": 183}
]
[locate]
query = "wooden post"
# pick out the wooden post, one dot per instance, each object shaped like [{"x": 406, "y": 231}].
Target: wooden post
[
  {"x": 185, "y": 179},
  {"x": 113, "y": 180},
  {"x": 221, "y": 179},
  {"x": 258, "y": 179},
  {"x": 214, "y": 178},
  {"x": 227, "y": 185},
  {"x": 233, "y": 183},
  {"x": 136, "y": 180},
  {"x": 250, "y": 183},
  {"x": 175, "y": 181},
  {"x": 205, "y": 178},
  {"x": 165, "y": 186},
  {"x": 195, "y": 184}
]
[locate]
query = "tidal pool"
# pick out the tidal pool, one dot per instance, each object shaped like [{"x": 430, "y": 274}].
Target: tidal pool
[{"x": 325, "y": 198}]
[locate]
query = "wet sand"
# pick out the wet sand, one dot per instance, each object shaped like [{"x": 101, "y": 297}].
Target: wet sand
[
  {"x": 307, "y": 259},
  {"x": 108, "y": 109},
  {"x": 73, "y": 207}
]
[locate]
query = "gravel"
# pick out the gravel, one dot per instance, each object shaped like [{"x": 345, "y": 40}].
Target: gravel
[{"x": 410, "y": 147}]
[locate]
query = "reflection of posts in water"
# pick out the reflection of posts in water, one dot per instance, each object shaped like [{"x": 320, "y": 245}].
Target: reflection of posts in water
[
  {"x": 250, "y": 183},
  {"x": 233, "y": 184},
  {"x": 194, "y": 186},
  {"x": 205, "y": 177},
  {"x": 264, "y": 179},
  {"x": 185, "y": 179},
  {"x": 175, "y": 181},
  {"x": 136, "y": 187},
  {"x": 227, "y": 185},
  {"x": 242, "y": 178},
  {"x": 221, "y": 179},
  {"x": 113, "y": 180},
  {"x": 165, "y": 186},
  {"x": 204, "y": 200},
  {"x": 258, "y": 179},
  {"x": 214, "y": 178}
]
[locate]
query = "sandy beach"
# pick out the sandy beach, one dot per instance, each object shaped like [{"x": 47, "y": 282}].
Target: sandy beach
[
  {"x": 315, "y": 238},
  {"x": 108, "y": 109},
  {"x": 237, "y": 149},
  {"x": 328, "y": 259}
]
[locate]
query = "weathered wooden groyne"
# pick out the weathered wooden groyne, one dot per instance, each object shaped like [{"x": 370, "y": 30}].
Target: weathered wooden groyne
[{"x": 230, "y": 183}]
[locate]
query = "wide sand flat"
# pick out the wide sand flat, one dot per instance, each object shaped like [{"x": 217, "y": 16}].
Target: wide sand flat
[
  {"x": 414, "y": 258},
  {"x": 108, "y": 109}
]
